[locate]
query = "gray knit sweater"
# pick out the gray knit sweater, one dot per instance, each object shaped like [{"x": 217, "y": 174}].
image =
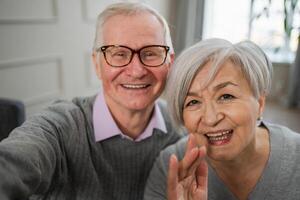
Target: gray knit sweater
[
  {"x": 53, "y": 155},
  {"x": 280, "y": 179}
]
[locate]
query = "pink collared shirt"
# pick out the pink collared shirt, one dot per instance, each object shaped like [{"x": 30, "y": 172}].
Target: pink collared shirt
[{"x": 105, "y": 126}]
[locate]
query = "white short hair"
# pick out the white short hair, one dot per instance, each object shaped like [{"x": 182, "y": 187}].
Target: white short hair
[
  {"x": 129, "y": 8},
  {"x": 253, "y": 62}
]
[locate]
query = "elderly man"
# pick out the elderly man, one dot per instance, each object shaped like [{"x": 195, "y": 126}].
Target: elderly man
[{"x": 100, "y": 147}]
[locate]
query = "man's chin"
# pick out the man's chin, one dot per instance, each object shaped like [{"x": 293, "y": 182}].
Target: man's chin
[{"x": 138, "y": 106}]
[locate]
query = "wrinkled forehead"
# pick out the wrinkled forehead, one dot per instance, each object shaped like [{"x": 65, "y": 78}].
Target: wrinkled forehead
[{"x": 218, "y": 69}]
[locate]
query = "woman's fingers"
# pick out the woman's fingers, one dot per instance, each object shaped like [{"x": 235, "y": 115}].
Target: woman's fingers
[
  {"x": 193, "y": 186},
  {"x": 198, "y": 187},
  {"x": 202, "y": 169},
  {"x": 187, "y": 179},
  {"x": 192, "y": 158},
  {"x": 189, "y": 162},
  {"x": 202, "y": 176},
  {"x": 191, "y": 143},
  {"x": 172, "y": 181}
]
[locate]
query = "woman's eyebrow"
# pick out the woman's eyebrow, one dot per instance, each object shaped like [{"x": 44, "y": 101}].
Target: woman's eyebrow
[
  {"x": 216, "y": 88},
  {"x": 223, "y": 85},
  {"x": 192, "y": 94}
]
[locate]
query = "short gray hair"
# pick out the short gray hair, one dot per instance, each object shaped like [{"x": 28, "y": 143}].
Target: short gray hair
[
  {"x": 129, "y": 8},
  {"x": 253, "y": 62}
]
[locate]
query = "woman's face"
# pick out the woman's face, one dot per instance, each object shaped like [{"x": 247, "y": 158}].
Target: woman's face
[{"x": 222, "y": 115}]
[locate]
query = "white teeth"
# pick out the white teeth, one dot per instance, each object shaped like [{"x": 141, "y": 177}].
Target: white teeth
[
  {"x": 134, "y": 86},
  {"x": 217, "y": 134},
  {"x": 218, "y": 138}
]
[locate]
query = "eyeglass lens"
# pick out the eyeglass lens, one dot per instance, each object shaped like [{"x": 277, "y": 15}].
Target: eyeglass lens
[{"x": 150, "y": 56}]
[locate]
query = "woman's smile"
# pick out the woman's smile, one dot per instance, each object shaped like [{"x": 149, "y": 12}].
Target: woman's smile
[{"x": 219, "y": 138}]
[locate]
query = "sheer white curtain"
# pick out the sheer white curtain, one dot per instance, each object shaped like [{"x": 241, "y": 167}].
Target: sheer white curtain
[
  {"x": 227, "y": 19},
  {"x": 294, "y": 81}
]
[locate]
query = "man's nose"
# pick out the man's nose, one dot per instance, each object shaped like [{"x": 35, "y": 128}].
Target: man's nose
[{"x": 136, "y": 68}]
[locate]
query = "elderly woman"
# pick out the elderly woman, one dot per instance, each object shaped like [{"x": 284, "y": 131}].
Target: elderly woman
[{"x": 217, "y": 91}]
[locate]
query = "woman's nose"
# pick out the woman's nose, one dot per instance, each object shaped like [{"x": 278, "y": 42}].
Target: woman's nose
[{"x": 211, "y": 115}]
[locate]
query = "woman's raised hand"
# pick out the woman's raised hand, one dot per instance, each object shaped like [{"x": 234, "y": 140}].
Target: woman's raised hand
[{"x": 187, "y": 179}]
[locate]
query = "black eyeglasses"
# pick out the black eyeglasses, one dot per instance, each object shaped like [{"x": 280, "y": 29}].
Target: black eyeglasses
[{"x": 120, "y": 56}]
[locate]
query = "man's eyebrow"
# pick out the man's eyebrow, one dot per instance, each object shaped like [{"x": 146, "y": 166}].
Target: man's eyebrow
[{"x": 223, "y": 85}]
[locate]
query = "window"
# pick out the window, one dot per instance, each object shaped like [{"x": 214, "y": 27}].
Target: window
[
  {"x": 226, "y": 19},
  {"x": 261, "y": 21}
]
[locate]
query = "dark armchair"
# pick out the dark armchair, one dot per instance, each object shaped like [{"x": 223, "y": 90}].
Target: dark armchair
[{"x": 12, "y": 115}]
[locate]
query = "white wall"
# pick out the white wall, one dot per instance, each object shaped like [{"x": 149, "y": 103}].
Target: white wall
[{"x": 45, "y": 48}]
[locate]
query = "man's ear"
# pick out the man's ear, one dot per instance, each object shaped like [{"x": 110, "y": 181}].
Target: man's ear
[
  {"x": 172, "y": 58},
  {"x": 97, "y": 66}
]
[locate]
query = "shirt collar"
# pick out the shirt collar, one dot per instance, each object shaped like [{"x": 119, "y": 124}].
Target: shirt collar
[{"x": 105, "y": 126}]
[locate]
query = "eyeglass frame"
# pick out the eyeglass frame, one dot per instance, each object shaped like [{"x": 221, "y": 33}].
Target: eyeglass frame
[{"x": 133, "y": 51}]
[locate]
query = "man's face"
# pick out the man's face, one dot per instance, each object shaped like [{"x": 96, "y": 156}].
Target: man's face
[{"x": 135, "y": 86}]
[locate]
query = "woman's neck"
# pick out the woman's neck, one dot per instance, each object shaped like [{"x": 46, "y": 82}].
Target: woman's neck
[{"x": 242, "y": 174}]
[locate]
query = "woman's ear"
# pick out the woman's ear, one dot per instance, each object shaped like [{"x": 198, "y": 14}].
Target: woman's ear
[
  {"x": 261, "y": 102},
  {"x": 97, "y": 66}
]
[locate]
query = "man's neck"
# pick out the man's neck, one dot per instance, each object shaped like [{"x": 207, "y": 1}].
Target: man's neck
[{"x": 132, "y": 123}]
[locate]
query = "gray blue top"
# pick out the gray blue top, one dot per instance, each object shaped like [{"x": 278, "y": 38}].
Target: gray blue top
[
  {"x": 54, "y": 155},
  {"x": 280, "y": 178}
]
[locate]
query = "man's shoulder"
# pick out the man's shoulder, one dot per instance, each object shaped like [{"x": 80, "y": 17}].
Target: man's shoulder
[
  {"x": 63, "y": 110},
  {"x": 162, "y": 104},
  {"x": 171, "y": 128},
  {"x": 84, "y": 101}
]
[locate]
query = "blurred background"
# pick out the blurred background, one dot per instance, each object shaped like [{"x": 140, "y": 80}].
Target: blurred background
[{"x": 46, "y": 45}]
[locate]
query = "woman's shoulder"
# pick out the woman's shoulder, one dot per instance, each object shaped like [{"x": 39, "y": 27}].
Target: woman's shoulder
[
  {"x": 284, "y": 161},
  {"x": 177, "y": 148},
  {"x": 285, "y": 132},
  {"x": 285, "y": 140}
]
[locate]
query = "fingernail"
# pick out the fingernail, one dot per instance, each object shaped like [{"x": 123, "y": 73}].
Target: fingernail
[
  {"x": 173, "y": 157},
  {"x": 195, "y": 149}
]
